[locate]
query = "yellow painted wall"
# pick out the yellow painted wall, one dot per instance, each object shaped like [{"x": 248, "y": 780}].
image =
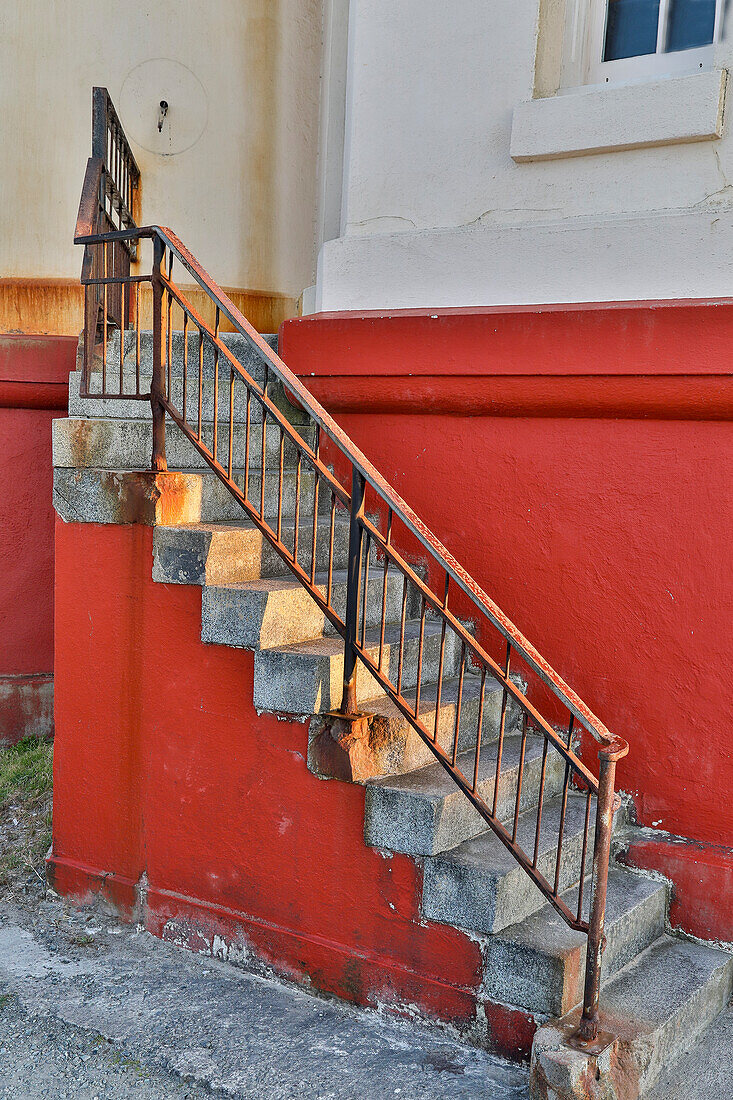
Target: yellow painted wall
[{"x": 243, "y": 196}]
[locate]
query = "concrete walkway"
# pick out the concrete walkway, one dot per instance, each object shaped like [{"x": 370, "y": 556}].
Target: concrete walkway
[{"x": 91, "y": 1009}]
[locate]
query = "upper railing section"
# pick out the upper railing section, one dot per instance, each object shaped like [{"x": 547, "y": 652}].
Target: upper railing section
[{"x": 109, "y": 201}]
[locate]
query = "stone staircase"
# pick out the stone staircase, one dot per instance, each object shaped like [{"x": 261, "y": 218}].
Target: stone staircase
[{"x": 660, "y": 991}]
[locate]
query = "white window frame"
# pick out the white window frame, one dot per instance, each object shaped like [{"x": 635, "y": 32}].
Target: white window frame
[{"x": 585, "y": 35}]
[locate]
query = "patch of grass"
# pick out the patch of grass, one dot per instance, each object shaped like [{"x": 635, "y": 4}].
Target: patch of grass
[
  {"x": 26, "y": 778},
  {"x": 26, "y": 770}
]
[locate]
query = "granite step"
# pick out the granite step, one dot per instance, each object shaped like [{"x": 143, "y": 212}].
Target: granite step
[
  {"x": 278, "y": 611},
  {"x": 308, "y": 677},
  {"x": 91, "y": 495},
  {"x": 127, "y": 445},
  {"x": 539, "y": 964},
  {"x": 395, "y": 747},
  {"x": 425, "y": 813},
  {"x": 480, "y": 886},
  {"x": 236, "y": 552},
  {"x": 657, "y": 1006}
]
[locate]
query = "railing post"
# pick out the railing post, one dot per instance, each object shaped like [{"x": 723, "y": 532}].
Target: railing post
[
  {"x": 588, "y": 1030},
  {"x": 157, "y": 383},
  {"x": 353, "y": 577}
]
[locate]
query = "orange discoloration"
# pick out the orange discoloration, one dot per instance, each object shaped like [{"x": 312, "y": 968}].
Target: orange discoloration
[{"x": 56, "y": 306}]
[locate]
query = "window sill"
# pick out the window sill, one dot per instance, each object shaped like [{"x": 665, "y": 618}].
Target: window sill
[{"x": 633, "y": 116}]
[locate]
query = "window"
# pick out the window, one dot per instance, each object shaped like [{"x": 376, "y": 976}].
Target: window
[{"x": 618, "y": 41}]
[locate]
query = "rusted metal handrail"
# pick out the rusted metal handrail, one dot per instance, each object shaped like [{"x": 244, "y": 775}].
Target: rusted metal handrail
[{"x": 366, "y": 534}]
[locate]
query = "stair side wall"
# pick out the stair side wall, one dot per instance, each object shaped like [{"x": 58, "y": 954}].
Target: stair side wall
[
  {"x": 185, "y": 808},
  {"x": 578, "y": 462}
]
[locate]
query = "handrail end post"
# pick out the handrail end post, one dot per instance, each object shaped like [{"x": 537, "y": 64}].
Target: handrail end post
[{"x": 589, "y": 1022}]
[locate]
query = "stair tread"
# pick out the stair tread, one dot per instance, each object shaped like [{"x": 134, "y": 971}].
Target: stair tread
[
  {"x": 485, "y": 853},
  {"x": 652, "y": 988},
  {"x": 538, "y": 963},
  {"x": 434, "y": 783},
  {"x": 429, "y": 695},
  {"x": 245, "y": 524},
  {"x": 547, "y": 933},
  {"x": 285, "y": 583},
  {"x": 334, "y": 645}
]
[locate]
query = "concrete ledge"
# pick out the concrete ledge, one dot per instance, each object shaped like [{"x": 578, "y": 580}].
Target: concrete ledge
[
  {"x": 632, "y": 116},
  {"x": 127, "y": 496}
]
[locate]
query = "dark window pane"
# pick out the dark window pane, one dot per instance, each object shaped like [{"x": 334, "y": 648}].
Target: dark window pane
[
  {"x": 691, "y": 24},
  {"x": 631, "y": 29}
]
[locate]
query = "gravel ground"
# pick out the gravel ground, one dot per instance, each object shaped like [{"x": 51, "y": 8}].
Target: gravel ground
[{"x": 42, "y": 1058}]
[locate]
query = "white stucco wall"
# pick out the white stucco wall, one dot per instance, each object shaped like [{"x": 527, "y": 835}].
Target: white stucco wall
[
  {"x": 243, "y": 197},
  {"x": 437, "y": 213}
]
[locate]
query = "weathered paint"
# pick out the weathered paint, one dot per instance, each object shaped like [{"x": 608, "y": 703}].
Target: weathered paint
[
  {"x": 600, "y": 537},
  {"x": 211, "y": 808},
  {"x": 56, "y": 306},
  {"x": 26, "y": 707},
  {"x": 34, "y": 375},
  {"x": 701, "y": 902}
]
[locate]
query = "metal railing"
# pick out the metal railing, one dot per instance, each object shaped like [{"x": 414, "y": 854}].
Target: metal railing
[{"x": 194, "y": 370}]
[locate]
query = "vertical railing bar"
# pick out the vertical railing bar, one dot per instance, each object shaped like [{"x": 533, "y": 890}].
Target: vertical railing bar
[
  {"x": 231, "y": 422},
  {"x": 215, "y": 436},
  {"x": 88, "y": 340},
  {"x": 263, "y": 448},
  {"x": 104, "y": 320},
  {"x": 122, "y": 334},
  {"x": 589, "y": 1022},
  {"x": 558, "y": 858},
  {"x": 419, "y": 655},
  {"x": 184, "y": 395},
  {"x": 403, "y": 613},
  {"x": 331, "y": 534},
  {"x": 563, "y": 807},
  {"x": 479, "y": 729},
  {"x": 438, "y": 691},
  {"x": 169, "y": 322},
  {"x": 247, "y": 416},
  {"x": 383, "y": 617},
  {"x": 157, "y": 381},
  {"x": 459, "y": 704},
  {"x": 137, "y": 338},
  {"x": 316, "y": 487},
  {"x": 365, "y": 596},
  {"x": 356, "y": 531},
  {"x": 520, "y": 777},
  {"x": 502, "y": 724},
  {"x": 296, "y": 529},
  {"x": 201, "y": 382},
  {"x": 280, "y": 469},
  {"x": 584, "y": 853},
  {"x": 540, "y": 803}
]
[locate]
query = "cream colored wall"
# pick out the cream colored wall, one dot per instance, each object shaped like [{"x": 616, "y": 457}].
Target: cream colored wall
[
  {"x": 243, "y": 197},
  {"x": 437, "y": 211}
]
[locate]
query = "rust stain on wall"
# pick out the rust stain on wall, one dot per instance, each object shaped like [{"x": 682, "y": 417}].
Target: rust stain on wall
[{"x": 56, "y": 307}]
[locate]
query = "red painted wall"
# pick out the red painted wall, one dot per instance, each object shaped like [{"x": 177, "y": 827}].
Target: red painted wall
[
  {"x": 34, "y": 375},
  {"x": 579, "y": 463},
  {"x": 182, "y": 780}
]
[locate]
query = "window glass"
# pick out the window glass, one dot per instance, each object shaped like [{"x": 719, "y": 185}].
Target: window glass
[
  {"x": 631, "y": 29},
  {"x": 691, "y": 23}
]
